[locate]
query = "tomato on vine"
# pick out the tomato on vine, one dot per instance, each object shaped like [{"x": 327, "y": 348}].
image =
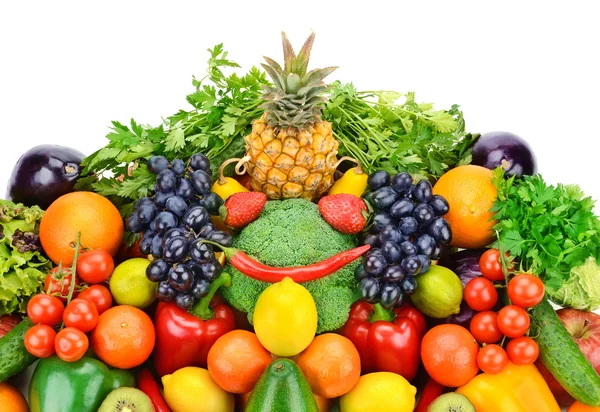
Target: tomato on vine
[
  {"x": 522, "y": 351},
  {"x": 71, "y": 344},
  {"x": 480, "y": 294},
  {"x": 99, "y": 295},
  {"x": 58, "y": 283},
  {"x": 95, "y": 266},
  {"x": 81, "y": 314},
  {"x": 492, "y": 359},
  {"x": 525, "y": 290},
  {"x": 490, "y": 266},
  {"x": 513, "y": 321},
  {"x": 39, "y": 341},
  {"x": 45, "y": 309},
  {"x": 484, "y": 327}
]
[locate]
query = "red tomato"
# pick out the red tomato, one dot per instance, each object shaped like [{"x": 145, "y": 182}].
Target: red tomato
[
  {"x": 525, "y": 290},
  {"x": 71, "y": 344},
  {"x": 95, "y": 266},
  {"x": 490, "y": 266},
  {"x": 484, "y": 327},
  {"x": 61, "y": 282},
  {"x": 522, "y": 351},
  {"x": 99, "y": 295},
  {"x": 39, "y": 341},
  {"x": 513, "y": 321},
  {"x": 81, "y": 314},
  {"x": 480, "y": 294},
  {"x": 407, "y": 310},
  {"x": 45, "y": 309},
  {"x": 492, "y": 359}
]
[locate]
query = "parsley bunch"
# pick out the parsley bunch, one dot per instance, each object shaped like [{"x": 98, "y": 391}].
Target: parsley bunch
[
  {"x": 391, "y": 131},
  {"x": 550, "y": 230}
]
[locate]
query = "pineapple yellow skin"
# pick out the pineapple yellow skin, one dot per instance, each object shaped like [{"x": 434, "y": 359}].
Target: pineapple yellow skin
[{"x": 289, "y": 163}]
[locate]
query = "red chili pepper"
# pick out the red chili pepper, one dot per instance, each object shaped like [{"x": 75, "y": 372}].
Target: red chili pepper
[
  {"x": 299, "y": 274},
  {"x": 383, "y": 345},
  {"x": 184, "y": 338},
  {"x": 147, "y": 384},
  {"x": 431, "y": 391}
]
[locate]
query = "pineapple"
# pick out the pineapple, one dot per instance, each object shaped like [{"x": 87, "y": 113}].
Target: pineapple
[{"x": 291, "y": 151}]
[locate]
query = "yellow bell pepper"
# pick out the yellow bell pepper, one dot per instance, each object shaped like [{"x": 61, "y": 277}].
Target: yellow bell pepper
[
  {"x": 515, "y": 389},
  {"x": 353, "y": 182},
  {"x": 226, "y": 186}
]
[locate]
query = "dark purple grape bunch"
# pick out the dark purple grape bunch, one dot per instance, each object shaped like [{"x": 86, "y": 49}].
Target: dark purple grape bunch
[
  {"x": 174, "y": 222},
  {"x": 407, "y": 232}
]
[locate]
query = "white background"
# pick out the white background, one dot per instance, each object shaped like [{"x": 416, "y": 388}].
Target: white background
[{"x": 68, "y": 68}]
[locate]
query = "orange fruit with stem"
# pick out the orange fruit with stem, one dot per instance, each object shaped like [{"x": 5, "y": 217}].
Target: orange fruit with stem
[
  {"x": 470, "y": 194},
  {"x": 97, "y": 219},
  {"x": 331, "y": 365}
]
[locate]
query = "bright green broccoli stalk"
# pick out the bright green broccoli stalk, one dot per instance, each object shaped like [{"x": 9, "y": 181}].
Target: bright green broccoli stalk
[{"x": 293, "y": 233}]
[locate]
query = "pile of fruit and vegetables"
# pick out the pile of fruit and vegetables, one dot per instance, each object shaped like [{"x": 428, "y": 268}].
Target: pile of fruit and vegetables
[{"x": 287, "y": 244}]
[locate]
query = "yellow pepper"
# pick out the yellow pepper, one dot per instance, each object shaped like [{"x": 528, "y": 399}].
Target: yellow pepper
[
  {"x": 226, "y": 186},
  {"x": 353, "y": 182},
  {"x": 515, "y": 389}
]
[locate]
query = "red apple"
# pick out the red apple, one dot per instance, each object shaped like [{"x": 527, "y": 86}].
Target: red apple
[{"x": 585, "y": 329}]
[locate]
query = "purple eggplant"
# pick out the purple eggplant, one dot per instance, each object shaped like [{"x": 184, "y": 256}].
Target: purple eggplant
[
  {"x": 504, "y": 149},
  {"x": 43, "y": 174}
]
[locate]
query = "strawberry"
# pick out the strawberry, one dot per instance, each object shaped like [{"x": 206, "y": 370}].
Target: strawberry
[
  {"x": 241, "y": 209},
  {"x": 345, "y": 213}
]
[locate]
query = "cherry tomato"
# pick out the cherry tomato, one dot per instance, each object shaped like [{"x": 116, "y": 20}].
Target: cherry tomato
[
  {"x": 45, "y": 309},
  {"x": 61, "y": 282},
  {"x": 513, "y": 321},
  {"x": 480, "y": 294},
  {"x": 39, "y": 341},
  {"x": 99, "y": 295},
  {"x": 522, "y": 351},
  {"x": 71, "y": 344},
  {"x": 484, "y": 327},
  {"x": 95, "y": 266},
  {"x": 492, "y": 359},
  {"x": 490, "y": 266},
  {"x": 525, "y": 290},
  {"x": 81, "y": 314}
]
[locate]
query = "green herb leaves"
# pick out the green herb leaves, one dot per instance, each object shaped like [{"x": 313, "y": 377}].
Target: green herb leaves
[{"x": 549, "y": 229}]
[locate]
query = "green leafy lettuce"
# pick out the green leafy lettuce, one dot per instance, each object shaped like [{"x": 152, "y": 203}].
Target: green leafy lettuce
[{"x": 23, "y": 267}]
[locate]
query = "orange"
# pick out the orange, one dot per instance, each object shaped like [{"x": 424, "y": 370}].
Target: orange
[
  {"x": 11, "y": 400},
  {"x": 124, "y": 337},
  {"x": 97, "y": 219},
  {"x": 470, "y": 193},
  {"x": 237, "y": 360},
  {"x": 449, "y": 354},
  {"x": 580, "y": 407},
  {"x": 331, "y": 365}
]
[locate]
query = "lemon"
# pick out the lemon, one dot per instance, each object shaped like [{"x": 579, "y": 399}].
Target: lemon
[
  {"x": 192, "y": 389},
  {"x": 439, "y": 292},
  {"x": 285, "y": 318},
  {"x": 130, "y": 286},
  {"x": 380, "y": 391}
]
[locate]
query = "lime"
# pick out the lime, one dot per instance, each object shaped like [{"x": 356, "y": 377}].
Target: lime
[
  {"x": 130, "y": 286},
  {"x": 380, "y": 391},
  {"x": 196, "y": 381},
  {"x": 439, "y": 292},
  {"x": 285, "y": 318}
]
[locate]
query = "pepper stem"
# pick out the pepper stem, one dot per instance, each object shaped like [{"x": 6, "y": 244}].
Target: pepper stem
[
  {"x": 202, "y": 309},
  {"x": 228, "y": 251},
  {"x": 358, "y": 169},
  {"x": 379, "y": 313}
]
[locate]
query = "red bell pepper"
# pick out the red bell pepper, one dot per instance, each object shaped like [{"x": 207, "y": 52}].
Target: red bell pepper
[
  {"x": 384, "y": 345},
  {"x": 147, "y": 384},
  {"x": 184, "y": 338}
]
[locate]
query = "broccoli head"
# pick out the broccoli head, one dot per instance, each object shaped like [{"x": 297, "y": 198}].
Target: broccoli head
[{"x": 293, "y": 233}]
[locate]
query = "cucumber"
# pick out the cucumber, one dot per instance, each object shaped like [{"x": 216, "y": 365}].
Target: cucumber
[
  {"x": 282, "y": 388},
  {"x": 562, "y": 357},
  {"x": 13, "y": 355}
]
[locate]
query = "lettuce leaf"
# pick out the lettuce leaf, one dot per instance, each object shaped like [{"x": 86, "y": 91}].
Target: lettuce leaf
[{"x": 582, "y": 290}]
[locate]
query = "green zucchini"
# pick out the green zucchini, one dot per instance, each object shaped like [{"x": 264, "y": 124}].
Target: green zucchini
[
  {"x": 13, "y": 355},
  {"x": 562, "y": 357}
]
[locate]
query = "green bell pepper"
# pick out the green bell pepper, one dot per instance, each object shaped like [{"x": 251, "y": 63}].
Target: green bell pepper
[{"x": 59, "y": 386}]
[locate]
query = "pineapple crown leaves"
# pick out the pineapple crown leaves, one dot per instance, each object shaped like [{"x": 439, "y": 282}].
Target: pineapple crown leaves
[{"x": 294, "y": 99}]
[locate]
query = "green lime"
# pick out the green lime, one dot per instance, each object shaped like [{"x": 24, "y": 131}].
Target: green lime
[
  {"x": 439, "y": 292},
  {"x": 130, "y": 286}
]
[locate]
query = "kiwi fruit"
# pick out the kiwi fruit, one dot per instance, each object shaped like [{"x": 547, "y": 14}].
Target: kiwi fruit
[
  {"x": 126, "y": 400},
  {"x": 451, "y": 402}
]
